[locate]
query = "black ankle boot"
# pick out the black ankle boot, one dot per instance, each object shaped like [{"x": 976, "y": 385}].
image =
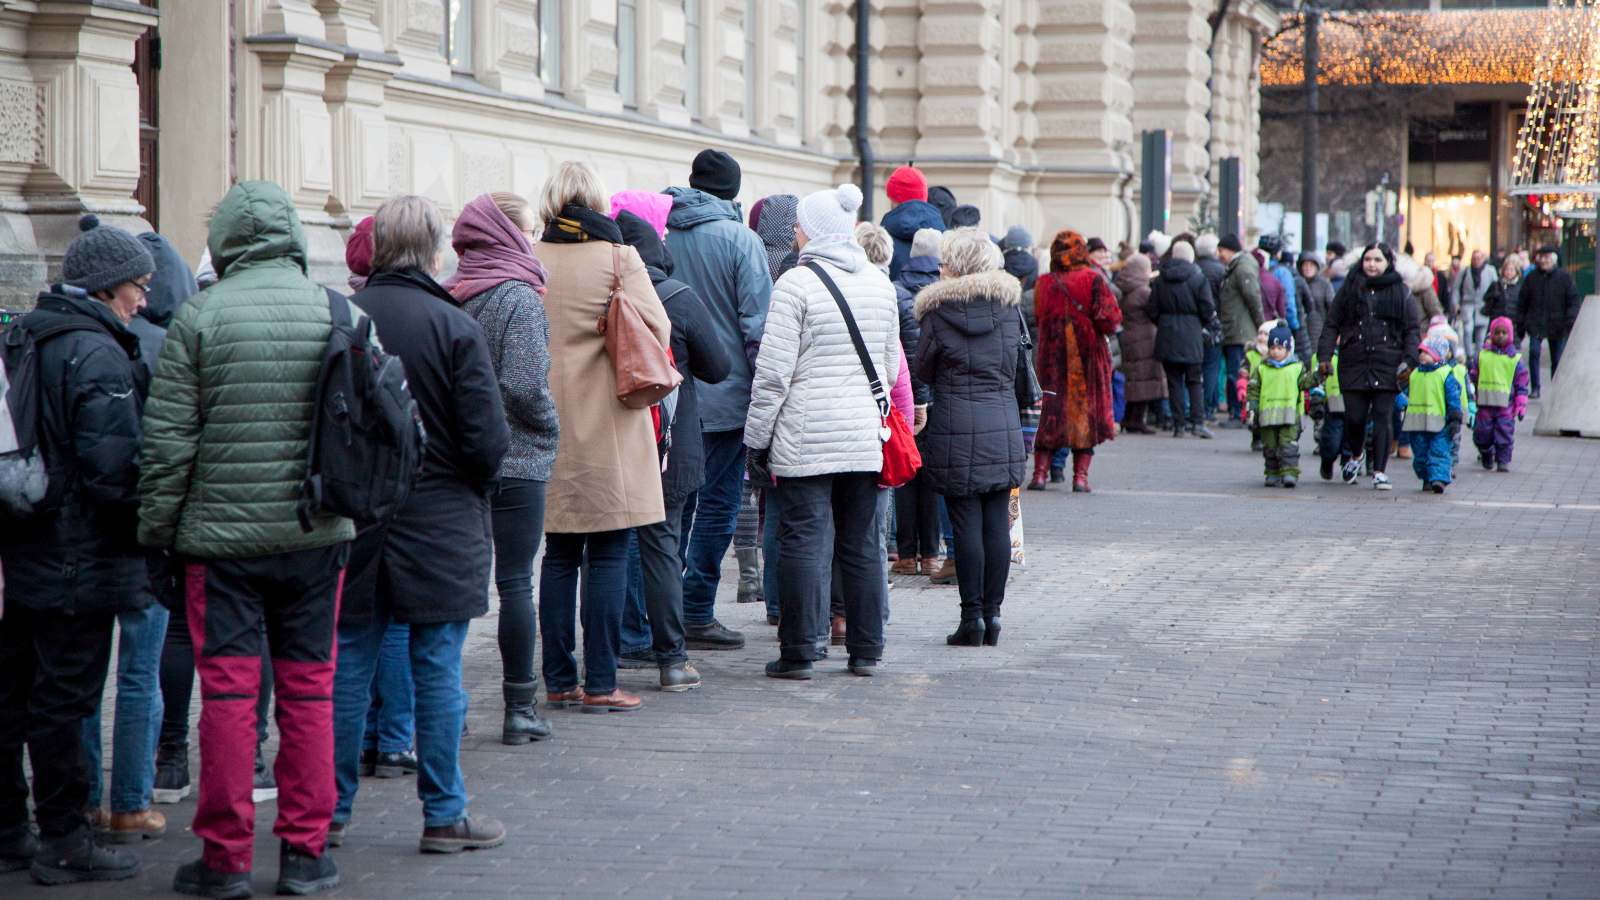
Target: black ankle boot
[
  {"x": 968, "y": 634},
  {"x": 991, "y": 631},
  {"x": 522, "y": 723}
]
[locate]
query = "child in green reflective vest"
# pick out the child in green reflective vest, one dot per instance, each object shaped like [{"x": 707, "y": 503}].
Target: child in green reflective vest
[
  {"x": 1274, "y": 405},
  {"x": 1253, "y": 355},
  {"x": 1432, "y": 407},
  {"x": 1502, "y": 377}
]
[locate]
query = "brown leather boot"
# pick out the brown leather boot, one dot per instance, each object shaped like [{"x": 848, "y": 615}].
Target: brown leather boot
[
  {"x": 1041, "y": 470},
  {"x": 564, "y": 699},
  {"x": 130, "y": 827},
  {"x": 616, "y": 701},
  {"x": 837, "y": 635}
]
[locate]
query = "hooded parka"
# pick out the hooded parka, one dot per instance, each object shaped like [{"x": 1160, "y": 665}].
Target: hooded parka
[
  {"x": 1180, "y": 305},
  {"x": 971, "y": 331},
  {"x": 1141, "y": 370},
  {"x": 902, "y": 223},
  {"x": 81, "y": 557}
]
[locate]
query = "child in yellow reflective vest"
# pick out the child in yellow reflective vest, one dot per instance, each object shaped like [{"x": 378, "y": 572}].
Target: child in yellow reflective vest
[
  {"x": 1432, "y": 407},
  {"x": 1273, "y": 403},
  {"x": 1253, "y": 355},
  {"x": 1502, "y": 378}
]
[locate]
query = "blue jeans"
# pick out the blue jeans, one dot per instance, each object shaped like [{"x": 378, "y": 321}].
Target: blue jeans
[
  {"x": 435, "y": 652},
  {"x": 137, "y": 720},
  {"x": 1233, "y": 356},
  {"x": 1212, "y": 368},
  {"x": 391, "y": 719},
  {"x": 604, "y": 590},
  {"x": 947, "y": 531},
  {"x": 636, "y": 635},
  {"x": 709, "y": 517}
]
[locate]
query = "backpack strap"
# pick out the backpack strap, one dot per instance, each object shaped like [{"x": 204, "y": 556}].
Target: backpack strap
[
  {"x": 855, "y": 338},
  {"x": 338, "y": 308}
]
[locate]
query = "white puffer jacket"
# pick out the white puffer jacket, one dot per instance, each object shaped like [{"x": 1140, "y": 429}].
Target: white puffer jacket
[{"x": 810, "y": 401}]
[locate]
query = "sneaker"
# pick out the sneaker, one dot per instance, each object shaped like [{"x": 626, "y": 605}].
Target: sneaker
[
  {"x": 679, "y": 677},
  {"x": 946, "y": 573},
  {"x": 1380, "y": 482},
  {"x": 471, "y": 833},
  {"x": 395, "y": 765},
  {"x": 17, "y": 847},
  {"x": 265, "y": 787},
  {"x": 1272, "y": 481},
  {"x": 1326, "y": 469},
  {"x": 369, "y": 762},
  {"x": 201, "y": 880},
  {"x": 1351, "y": 469},
  {"x": 79, "y": 857},
  {"x": 638, "y": 659},
  {"x": 1290, "y": 481},
  {"x": 1255, "y": 445},
  {"x": 1201, "y": 431},
  {"x": 712, "y": 635},
  {"x": 792, "y": 669},
  {"x": 1436, "y": 486},
  {"x": 336, "y": 832},
  {"x": 1231, "y": 422},
  {"x": 172, "y": 773},
  {"x": 300, "y": 873},
  {"x": 1534, "y": 394}
]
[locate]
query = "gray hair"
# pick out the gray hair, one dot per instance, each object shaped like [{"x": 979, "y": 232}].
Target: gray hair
[
  {"x": 408, "y": 231},
  {"x": 573, "y": 182},
  {"x": 1206, "y": 245},
  {"x": 876, "y": 241},
  {"x": 968, "y": 251}
]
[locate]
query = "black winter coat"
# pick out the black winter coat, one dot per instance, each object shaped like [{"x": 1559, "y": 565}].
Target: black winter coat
[
  {"x": 1023, "y": 266},
  {"x": 1374, "y": 324},
  {"x": 1215, "y": 273},
  {"x": 697, "y": 352},
  {"x": 918, "y": 273},
  {"x": 430, "y": 562},
  {"x": 971, "y": 331},
  {"x": 1180, "y": 305},
  {"x": 82, "y": 556},
  {"x": 1547, "y": 304}
]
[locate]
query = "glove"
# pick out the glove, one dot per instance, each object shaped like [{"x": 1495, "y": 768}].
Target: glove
[
  {"x": 755, "y": 462},
  {"x": 919, "y": 419},
  {"x": 1325, "y": 369}
]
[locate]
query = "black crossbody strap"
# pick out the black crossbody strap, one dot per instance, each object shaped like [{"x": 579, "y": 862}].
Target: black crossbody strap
[{"x": 855, "y": 338}]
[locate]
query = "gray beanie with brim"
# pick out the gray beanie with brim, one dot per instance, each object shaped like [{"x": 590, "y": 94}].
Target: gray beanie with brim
[{"x": 103, "y": 257}]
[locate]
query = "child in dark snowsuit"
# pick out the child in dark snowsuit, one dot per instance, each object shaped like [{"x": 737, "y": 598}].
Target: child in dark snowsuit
[
  {"x": 1502, "y": 378},
  {"x": 1273, "y": 400},
  {"x": 1432, "y": 403}
]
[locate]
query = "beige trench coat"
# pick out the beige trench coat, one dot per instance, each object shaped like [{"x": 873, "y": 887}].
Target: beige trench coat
[{"x": 606, "y": 475}]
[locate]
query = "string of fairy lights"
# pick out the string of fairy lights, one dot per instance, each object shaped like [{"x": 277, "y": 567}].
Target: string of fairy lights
[
  {"x": 1487, "y": 46},
  {"x": 1558, "y": 145}
]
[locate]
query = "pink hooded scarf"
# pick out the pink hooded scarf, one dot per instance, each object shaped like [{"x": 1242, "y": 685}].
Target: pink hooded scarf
[
  {"x": 652, "y": 208},
  {"x": 493, "y": 250}
]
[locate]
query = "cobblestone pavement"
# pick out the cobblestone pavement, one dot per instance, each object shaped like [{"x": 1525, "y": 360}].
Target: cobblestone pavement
[{"x": 1206, "y": 688}]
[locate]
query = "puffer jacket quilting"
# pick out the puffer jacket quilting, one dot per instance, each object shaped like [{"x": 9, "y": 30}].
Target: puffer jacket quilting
[
  {"x": 811, "y": 403},
  {"x": 229, "y": 415}
]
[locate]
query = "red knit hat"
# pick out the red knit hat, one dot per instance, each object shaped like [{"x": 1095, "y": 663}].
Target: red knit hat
[
  {"x": 905, "y": 184},
  {"x": 358, "y": 250}
]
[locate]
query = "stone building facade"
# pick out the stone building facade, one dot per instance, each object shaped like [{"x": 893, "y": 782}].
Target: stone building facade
[{"x": 1029, "y": 109}]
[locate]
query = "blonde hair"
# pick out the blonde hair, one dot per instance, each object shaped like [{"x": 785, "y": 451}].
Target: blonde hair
[
  {"x": 518, "y": 210},
  {"x": 407, "y": 232},
  {"x": 875, "y": 240},
  {"x": 573, "y": 182},
  {"x": 968, "y": 251}
]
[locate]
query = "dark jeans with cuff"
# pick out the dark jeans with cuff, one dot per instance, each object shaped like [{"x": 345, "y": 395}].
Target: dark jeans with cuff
[
  {"x": 1179, "y": 398},
  {"x": 846, "y": 502},
  {"x": 605, "y": 586}
]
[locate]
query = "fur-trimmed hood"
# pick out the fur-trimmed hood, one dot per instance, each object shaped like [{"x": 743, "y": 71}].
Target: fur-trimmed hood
[{"x": 998, "y": 286}]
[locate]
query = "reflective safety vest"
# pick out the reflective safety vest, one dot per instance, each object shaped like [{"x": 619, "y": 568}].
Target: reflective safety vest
[
  {"x": 1425, "y": 404},
  {"x": 1331, "y": 388},
  {"x": 1279, "y": 402},
  {"x": 1252, "y": 358},
  {"x": 1496, "y": 376}
]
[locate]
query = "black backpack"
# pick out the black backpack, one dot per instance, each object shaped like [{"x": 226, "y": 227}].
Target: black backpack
[
  {"x": 366, "y": 434},
  {"x": 25, "y": 483}
]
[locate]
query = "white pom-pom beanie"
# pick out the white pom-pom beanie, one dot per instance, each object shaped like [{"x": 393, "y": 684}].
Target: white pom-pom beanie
[{"x": 827, "y": 213}]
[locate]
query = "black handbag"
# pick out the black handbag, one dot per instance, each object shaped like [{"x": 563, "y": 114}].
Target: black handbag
[{"x": 1029, "y": 393}]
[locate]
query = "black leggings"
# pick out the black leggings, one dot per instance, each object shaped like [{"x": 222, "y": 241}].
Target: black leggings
[
  {"x": 1363, "y": 408},
  {"x": 1177, "y": 374},
  {"x": 916, "y": 512},
  {"x": 518, "y": 510},
  {"x": 982, "y": 526},
  {"x": 177, "y": 680}
]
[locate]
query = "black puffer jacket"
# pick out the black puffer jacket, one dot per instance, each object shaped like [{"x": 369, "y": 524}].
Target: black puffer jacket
[
  {"x": 971, "y": 331},
  {"x": 1374, "y": 325},
  {"x": 1547, "y": 303},
  {"x": 1180, "y": 305},
  {"x": 695, "y": 351},
  {"x": 430, "y": 562},
  {"x": 82, "y": 556}
]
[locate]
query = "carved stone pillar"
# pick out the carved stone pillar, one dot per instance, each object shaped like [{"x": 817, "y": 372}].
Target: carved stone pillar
[
  {"x": 1169, "y": 80},
  {"x": 662, "y": 73},
  {"x": 351, "y": 23},
  {"x": 354, "y": 97},
  {"x": 589, "y": 39},
  {"x": 508, "y": 47},
  {"x": 777, "y": 71},
  {"x": 722, "y": 67},
  {"x": 960, "y": 79},
  {"x": 411, "y": 30}
]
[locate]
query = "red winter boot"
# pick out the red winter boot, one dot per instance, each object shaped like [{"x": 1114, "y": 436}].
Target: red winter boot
[
  {"x": 1041, "y": 470},
  {"x": 1080, "y": 472}
]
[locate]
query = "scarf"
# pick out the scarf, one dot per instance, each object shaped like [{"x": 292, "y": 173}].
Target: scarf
[
  {"x": 775, "y": 225},
  {"x": 577, "y": 224},
  {"x": 493, "y": 250}
]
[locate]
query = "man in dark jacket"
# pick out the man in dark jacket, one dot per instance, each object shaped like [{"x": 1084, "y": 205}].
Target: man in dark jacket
[
  {"x": 224, "y": 458},
  {"x": 1180, "y": 305},
  {"x": 726, "y": 264},
  {"x": 908, "y": 191},
  {"x": 427, "y": 566},
  {"x": 73, "y": 565},
  {"x": 696, "y": 352},
  {"x": 1205, "y": 250},
  {"x": 1239, "y": 307},
  {"x": 944, "y": 201},
  {"x": 1547, "y": 307}
]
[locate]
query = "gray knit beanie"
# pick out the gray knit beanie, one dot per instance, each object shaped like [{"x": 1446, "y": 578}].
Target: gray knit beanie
[
  {"x": 103, "y": 257},
  {"x": 1017, "y": 238}
]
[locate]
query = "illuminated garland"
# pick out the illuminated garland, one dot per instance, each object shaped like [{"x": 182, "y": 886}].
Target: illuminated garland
[
  {"x": 1490, "y": 46},
  {"x": 1557, "y": 144}
]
